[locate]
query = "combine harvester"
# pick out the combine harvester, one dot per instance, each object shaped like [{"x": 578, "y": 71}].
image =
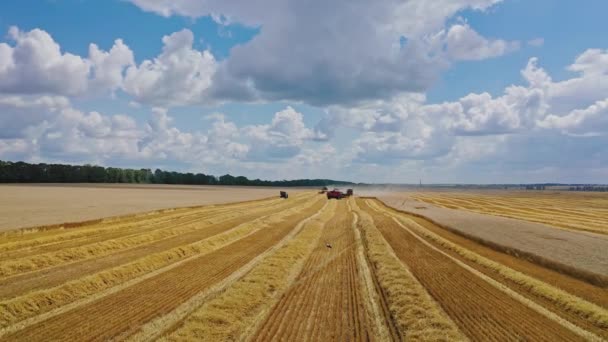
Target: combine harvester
[{"x": 335, "y": 193}]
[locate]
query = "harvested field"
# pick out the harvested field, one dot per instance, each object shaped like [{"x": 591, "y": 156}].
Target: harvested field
[
  {"x": 580, "y": 254},
  {"x": 305, "y": 269},
  {"x": 570, "y": 210},
  {"x": 483, "y": 306},
  {"x": 45, "y": 204}
]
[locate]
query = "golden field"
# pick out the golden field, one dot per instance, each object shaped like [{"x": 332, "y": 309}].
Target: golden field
[
  {"x": 27, "y": 205},
  {"x": 570, "y": 210},
  {"x": 305, "y": 269}
]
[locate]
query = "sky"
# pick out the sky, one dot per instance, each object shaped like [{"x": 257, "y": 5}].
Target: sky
[{"x": 445, "y": 91}]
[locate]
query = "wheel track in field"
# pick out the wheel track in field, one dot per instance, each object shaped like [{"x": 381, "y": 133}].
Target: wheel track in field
[
  {"x": 53, "y": 276},
  {"x": 124, "y": 312},
  {"x": 325, "y": 302},
  {"x": 480, "y": 309}
]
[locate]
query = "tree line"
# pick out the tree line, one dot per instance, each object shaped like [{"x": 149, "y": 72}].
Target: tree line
[
  {"x": 21, "y": 172},
  {"x": 589, "y": 188}
]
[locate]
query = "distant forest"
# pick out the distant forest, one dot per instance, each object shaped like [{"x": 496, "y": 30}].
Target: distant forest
[{"x": 21, "y": 172}]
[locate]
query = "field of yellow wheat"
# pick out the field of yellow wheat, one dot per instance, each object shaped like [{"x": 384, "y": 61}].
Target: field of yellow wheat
[
  {"x": 569, "y": 210},
  {"x": 299, "y": 269}
]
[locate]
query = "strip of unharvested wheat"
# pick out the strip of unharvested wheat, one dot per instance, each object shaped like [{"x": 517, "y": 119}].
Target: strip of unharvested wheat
[
  {"x": 584, "y": 309},
  {"x": 68, "y": 255},
  {"x": 35, "y": 303},
  {"x": 233, "y": 312},
  {"x": 419, "y": 318}
]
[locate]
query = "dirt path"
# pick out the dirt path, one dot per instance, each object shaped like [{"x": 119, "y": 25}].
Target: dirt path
[
  {"x": 325, "y": 303},
  {"x": 480, "y": 310},
  {"x": 123, "y": 312}
]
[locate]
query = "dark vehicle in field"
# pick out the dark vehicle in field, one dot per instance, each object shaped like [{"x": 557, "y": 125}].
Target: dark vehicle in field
[
  {"x": 335, "y": 193},
  {"x": 284, "y": 194},
  {"x": 349, "y": 192}
]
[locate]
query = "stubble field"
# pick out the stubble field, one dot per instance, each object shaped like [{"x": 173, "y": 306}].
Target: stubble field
[
  {"x": 569, "y": 210},
  {"x": 27, "y": 205},
  {"x": 305, "y": 268}
]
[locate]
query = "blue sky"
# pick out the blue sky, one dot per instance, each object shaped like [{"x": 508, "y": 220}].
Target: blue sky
[{"x": 281, "y": 89}]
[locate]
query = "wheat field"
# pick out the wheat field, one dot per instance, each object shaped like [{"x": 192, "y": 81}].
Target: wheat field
[
  {"x": 301, "y": 269},
  {"x": 576, "y": 211}
]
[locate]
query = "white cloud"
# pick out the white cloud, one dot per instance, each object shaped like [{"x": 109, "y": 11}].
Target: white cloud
[
  {"x": 20, "y": 112},
  {"x": 36, "y": 65},
  {"x": 525, "y": 129},
  {"x": 281, "y": 139},
  {"x": 64, "y": 133},
  {"x": 590, "y": 84},
  {"x": 463, "y": 43},
  {"x": 180, "y": 75},
  {"x": 374, "y": 51},
  {"x": 109, "y": 66},
  {"x": 589, "y": 121}
]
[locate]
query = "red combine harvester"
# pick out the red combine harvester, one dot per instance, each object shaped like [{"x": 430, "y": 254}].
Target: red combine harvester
[{"x": 335, "y": 193}]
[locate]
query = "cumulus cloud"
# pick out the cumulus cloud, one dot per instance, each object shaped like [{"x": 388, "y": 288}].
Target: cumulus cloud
[
  {"x": 63, "y": 133},
  {"x": 485, "y": 130},
  {"x": 589, "y": 121},
  {"x": 35, "y": 64},
  {"x": 463, "y": 43},
  {"x": 109, "y": 67},
  {"x": 20, "y": 112},
  {"x": 281, "y": 139},
  {"x": 180, "y": 75},
  {"x": 373, "y": 51}
]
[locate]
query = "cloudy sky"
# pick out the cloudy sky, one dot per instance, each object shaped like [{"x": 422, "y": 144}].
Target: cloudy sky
[{"x": 468, "y": 91}]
